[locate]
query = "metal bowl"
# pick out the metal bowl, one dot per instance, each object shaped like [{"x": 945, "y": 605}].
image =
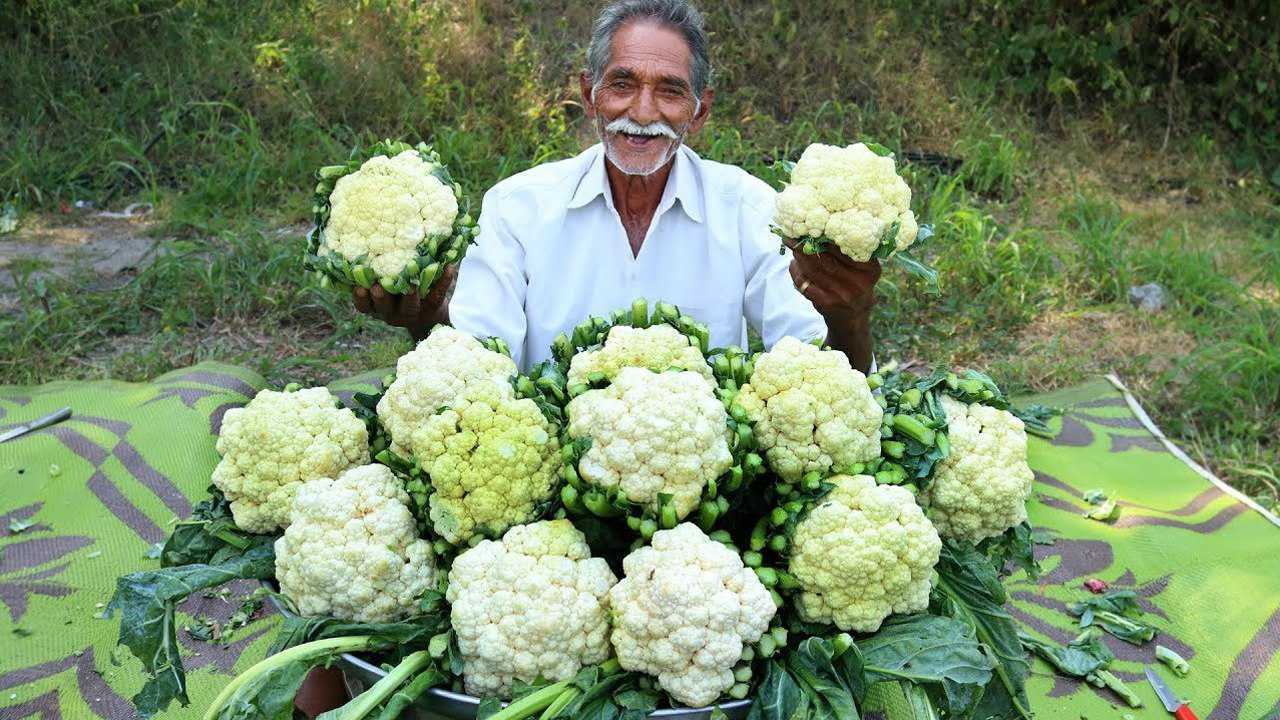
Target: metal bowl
[{"x": 437, "y": 704}]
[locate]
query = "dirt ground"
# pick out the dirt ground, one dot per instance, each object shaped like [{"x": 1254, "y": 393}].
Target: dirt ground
[{"x": 107, "y": 245}]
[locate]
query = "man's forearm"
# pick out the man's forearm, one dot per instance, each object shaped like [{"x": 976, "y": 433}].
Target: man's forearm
[{"x": 851, "y": 335}]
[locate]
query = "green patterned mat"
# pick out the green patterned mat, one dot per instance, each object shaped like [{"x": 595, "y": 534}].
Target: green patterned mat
[{"x": 97, "y": 491}]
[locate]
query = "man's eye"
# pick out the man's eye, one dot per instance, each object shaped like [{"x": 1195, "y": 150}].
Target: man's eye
[{"x": 619, "y": 84}]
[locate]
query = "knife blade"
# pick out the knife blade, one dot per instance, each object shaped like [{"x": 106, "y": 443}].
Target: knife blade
[
  {"x": 52, "y": 418},
  {"x": 1167, "y": 696}
]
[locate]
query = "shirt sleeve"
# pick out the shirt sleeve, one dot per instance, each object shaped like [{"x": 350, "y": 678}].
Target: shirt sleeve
[
  {"x": 773, "y": 306},
  {"x": 489, "y": 296}
]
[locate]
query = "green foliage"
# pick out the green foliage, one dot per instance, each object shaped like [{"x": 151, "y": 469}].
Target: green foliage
[
  {"x": 209, "y": 536},
  {"x": 829, "y": 678},
  {"x": 147, "y": 602},
  {"x": 1082, "y": 657},
  {"x": 1118, "y": 613},
  {"x": 1183, "y": 62},
  {"x": 969, "y": 590}
]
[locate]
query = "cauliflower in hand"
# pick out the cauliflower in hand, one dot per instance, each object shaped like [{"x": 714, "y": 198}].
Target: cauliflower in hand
[
  {"x": 352, "y": 549},
  {"x": 492, "y": 460},
  {"x": 652, "y": 433},
  {"x": 393, "y": 220},
  {"x": 532, "y": 605},
  {"x": 862, "y": 552},
  {"x": 657, "y": 347},
  {"x": 811, "y": 410},
  {"x": 849, "y": 196},
  {"x": 981, "y": 488},
  {"x": 431, "y": 376},
  {"x": 683, "y": 612},
  {"x": 278, "y": 441}
]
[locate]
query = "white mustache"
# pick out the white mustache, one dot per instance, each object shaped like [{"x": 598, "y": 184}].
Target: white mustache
[{"x": 631, "y": 127}]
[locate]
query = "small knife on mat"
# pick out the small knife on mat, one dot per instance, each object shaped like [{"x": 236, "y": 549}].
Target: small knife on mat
[
  {"x": 1171, "y": 702},
  {"x": 52, "y": 418}
]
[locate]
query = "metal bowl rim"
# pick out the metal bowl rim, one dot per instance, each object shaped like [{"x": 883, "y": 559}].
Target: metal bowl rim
[{"x": 475, "y": 701}]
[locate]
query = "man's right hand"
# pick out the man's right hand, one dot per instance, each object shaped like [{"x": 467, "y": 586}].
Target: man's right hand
[{"x": 410, "y": 311}]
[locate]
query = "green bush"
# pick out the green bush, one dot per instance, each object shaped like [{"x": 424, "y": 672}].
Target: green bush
[{"x": 1179, "y": 63}]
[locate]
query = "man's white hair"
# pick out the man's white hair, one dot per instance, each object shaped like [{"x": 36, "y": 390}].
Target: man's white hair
[{"x": 677, "y": 14}]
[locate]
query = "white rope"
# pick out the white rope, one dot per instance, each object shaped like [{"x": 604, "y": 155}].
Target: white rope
[{"x": 1146, "y": 421}]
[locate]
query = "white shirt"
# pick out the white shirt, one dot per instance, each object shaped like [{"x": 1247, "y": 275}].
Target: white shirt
[{"x": 552, "y": 251}]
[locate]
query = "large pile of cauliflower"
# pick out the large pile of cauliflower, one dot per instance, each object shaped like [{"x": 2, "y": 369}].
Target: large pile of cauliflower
[{"x": 641, "y": 517}]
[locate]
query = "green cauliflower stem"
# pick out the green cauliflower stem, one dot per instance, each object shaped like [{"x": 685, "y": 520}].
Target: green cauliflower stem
[
  {"x": 683, "y": 612},
  {"x": 533, "y": 605},
  {"x": 657, "y": 347},
  {"x": 276, "y": 442},
  {"x": 384, "y": 210},
  {"x": 652, "y": 433},
  {"x": 811, "y": 409},
  {"x": 492, "y": 459},
  {"x": 981, "y": 488},
  {"x": 849, "y": 195},
  {"x": 351, "y": 550},
  {"x": 864, "y": 552}
]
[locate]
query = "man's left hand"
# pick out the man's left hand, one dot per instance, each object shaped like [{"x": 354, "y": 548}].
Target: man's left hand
[
  {"x": 839, "y": 288},
  {"x": 843, "y": 291}
]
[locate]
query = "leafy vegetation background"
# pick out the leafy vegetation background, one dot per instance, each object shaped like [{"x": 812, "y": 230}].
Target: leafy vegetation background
[{"x": 1065, "y": 150}]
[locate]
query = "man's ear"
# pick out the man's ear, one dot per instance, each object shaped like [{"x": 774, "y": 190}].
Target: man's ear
[
  {"x": 704, "y": 110},
  {"x": 584, "y": 82}
]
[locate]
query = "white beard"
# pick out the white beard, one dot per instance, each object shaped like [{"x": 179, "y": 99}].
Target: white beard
[{"x": 625, "y": 125}]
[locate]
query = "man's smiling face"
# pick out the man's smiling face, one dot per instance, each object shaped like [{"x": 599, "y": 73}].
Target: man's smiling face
[{"x": 644, "y": 103}]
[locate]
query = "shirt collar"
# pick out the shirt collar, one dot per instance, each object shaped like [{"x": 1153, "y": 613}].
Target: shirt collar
[{"x": 682, "y": 183}]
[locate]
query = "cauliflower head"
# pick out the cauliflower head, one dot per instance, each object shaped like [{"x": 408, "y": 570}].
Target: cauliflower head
[
  {"x": 652, "y": 433},
  {"x": 276, "y": 442},
  {"x": 811, "y": 409},
  {"x": 352, "y": 549},
  {"x": 492, "y": 459},
  {"x": 981, "y": 488},
  {"x": 683, "y": 611},
  {"x": 657, "y": 347},
  {"x": 384, "y": 210},
  {"x": 431, "y": 376},
  {"x": 863, "y": 552},
  {"x": 851, "y": 196},
  {"x": 534, "y": 604}
]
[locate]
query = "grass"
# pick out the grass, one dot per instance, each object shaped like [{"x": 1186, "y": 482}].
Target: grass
[{"x": 1042, "y": 226}]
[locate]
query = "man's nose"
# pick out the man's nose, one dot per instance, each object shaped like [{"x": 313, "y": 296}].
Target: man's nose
[{"x": 645, "y": 108}]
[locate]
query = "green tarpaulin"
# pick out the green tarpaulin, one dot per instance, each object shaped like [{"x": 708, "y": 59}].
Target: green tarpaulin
[{"x": 85, "y": 501}]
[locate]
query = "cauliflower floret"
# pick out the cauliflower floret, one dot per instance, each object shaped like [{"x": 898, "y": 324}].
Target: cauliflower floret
[
  {"x": 432, "y": 375},
  {"x": 863, "y": 552},
  {"x": 657, "y": 347},
  {"x": 800, "y": 213},
  {"x": 683, "y": 611},
  {"x": 811, "y": 409},
  {"x": 981, "y": 488},
  {"x": 653, "y": 433},
  {"x": 826, "y": 169},
  {"x": 278, "y": 440},
  {"x": 385, "y": 209},
  {"x": 492, "y": 460},
  {"x": 533, "y": 605},
  {"x": 851, "y": 196},
  {"x": 352, "y": 551}
]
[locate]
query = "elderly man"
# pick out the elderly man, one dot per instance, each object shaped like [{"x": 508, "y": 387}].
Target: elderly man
[{"x": 640, "y": 215}]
